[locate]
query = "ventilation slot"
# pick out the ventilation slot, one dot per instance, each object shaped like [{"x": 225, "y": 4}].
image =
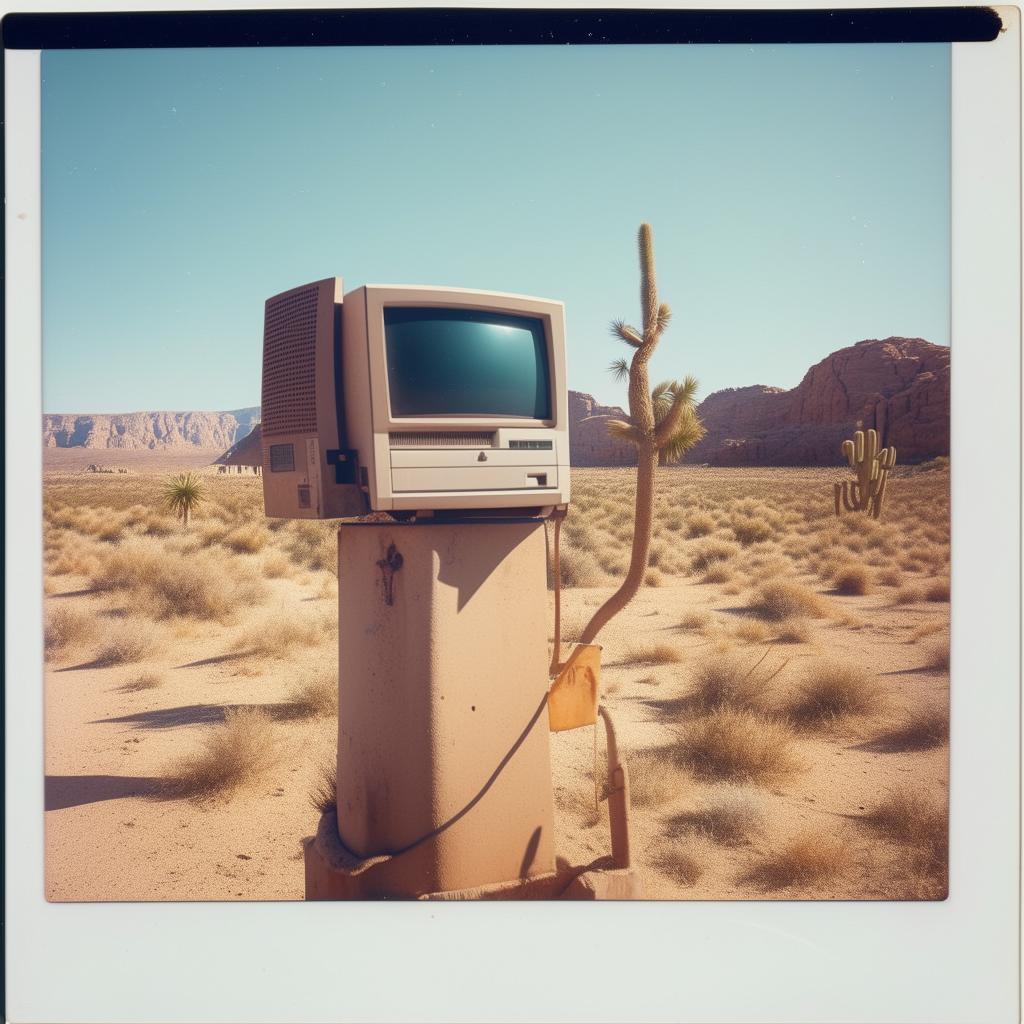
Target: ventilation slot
[
  {"x": 442, "y": 439},
  {"x": 289, "y": 364}
]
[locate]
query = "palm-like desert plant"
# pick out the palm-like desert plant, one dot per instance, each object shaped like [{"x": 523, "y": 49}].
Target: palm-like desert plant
[
  {"x": 662, "y": 424},
  {"x": 183, "y": 494}
]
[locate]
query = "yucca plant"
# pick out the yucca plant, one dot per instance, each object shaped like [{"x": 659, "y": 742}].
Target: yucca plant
[
  {"x": 183, "y": 494},
  {"x": 663, "y": 425}
]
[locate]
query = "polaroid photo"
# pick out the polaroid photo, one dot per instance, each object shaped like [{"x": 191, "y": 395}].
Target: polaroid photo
[{"x": 469, "y": 457}]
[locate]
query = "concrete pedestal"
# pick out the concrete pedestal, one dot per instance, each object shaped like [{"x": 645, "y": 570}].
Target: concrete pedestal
[{"x": 444, "y": 776}]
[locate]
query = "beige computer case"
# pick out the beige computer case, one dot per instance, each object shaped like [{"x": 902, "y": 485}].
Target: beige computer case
[
  {"x": 459, "y": 462},
  {"x": 301, "y": 441}
]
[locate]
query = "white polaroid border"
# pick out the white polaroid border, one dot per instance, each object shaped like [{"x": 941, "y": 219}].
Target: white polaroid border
[{"x": 952, "y": 962}]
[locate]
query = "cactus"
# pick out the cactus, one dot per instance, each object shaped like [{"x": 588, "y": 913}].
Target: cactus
[{"x": 867, "y": 492}]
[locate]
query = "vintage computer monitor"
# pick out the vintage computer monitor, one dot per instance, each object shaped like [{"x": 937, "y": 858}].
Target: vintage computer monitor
[{"x": 412, "y": 398}]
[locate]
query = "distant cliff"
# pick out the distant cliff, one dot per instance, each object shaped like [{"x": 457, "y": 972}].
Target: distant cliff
[
  {"x": 152, "y": 430},
  {"x": 898, "y": 386}
]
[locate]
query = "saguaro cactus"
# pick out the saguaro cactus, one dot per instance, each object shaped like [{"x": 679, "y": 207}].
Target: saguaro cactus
[
  {"x": 867, "y": 492},
  {"x": 663, "y": 422}
]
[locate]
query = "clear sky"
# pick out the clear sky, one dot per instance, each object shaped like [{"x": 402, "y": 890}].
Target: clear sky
[{"x": 799, "y": 197}]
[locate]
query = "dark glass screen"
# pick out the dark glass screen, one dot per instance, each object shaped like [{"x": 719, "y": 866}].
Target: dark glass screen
[{"x": 466, "y": 362}]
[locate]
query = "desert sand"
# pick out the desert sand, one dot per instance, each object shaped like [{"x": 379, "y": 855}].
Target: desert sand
[{"x": 782, "y": 743}]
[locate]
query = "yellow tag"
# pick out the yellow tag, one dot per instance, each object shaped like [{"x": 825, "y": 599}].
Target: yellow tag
[{"x": 572, "y": 699}]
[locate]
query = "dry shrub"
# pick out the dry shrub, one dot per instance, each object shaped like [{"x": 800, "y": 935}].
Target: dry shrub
[
  {"x": 751, "y": 631},
  {"x": 578, "y": 568},
  {"x": 67, "y": 628},
  {"x": 794, "y": 631},
  {"x": 831, "y": 690},
  {"x": 890, "y": 577},
  {"x": 699, "y": 524},
  {"x": 852, "y": 579},
  {"x": 726, "y": 681},
  {"x": 937, "y": 591},
  {"x": 808, "y": 857},
  {"x": 202, "y": 585},
  {"x": 729, "y": 816},
  {"x": 784, "y": 599},
  {"x": 143, "y": 681},
  {"x": 739, "y": 746},
  {"x": 938, "y": 655},
  {"x": 315, "y": 697},
  {"x": 653, "y": 578},
  {"x": 923, "y": 729},
  {"x": 276, "y": 565},
  {"x": 695, "y": 620},
  {"x": 128, "y": 640},
  {"x": 750, "y": 529},
  {"x": 717, "y": 573},
  {"x": 324, "y": 794},
  {"x": 655, "y": 776},
  {"x": 233, "y": 754},
  {"x": 918, "y": 823},
  {"x": 909, "y": 816},
  {"x": 907, "y": 594},
  {"x": 678, "y": 862},
  {"x": 247, "y": 539},
  {"x": 658, "y": 654},
  {"x": 708, "y": 552},
  {"x": 278, "y": 632}
]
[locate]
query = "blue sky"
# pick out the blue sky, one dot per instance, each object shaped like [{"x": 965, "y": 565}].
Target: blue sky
[{"x": 799, "y": 198}]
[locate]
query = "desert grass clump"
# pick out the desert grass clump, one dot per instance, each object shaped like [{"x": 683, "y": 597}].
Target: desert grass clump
[
  {"x": 729, "y": 817},
  {"x": 783, "y": 599},
  {"x": 852, "y": 580},
  {"x": 143, "y": 681},
  {"x": 938, "y": 655},
  {"x": 737, "y": 745},
  {"x": 751, "y": 529},
  {"x": 700, "y": 524},
  {"x": 724, "y": 681},
  {"x": 831, "y": 690},
  {"x": 717, "y": 573},
  {"x": 279, "y": 632},
  {"x": 937, "y": 591},
  {"x": 128, "y": 640},
  {"x": 695, "y": 620},
  {"x": 315, "y": 697},
  {"x": 806, "y": 858},
  {"x": 235, "y": 753},
  {"x": 710, "y": 551},
  {"x": 578, "y": 568},
  {"x": 889, "y": 577},
  {"x": 66, "y": 629},
  {"x": 751, "y": 631},
  {"x": 909, "y": 816},
  {"x": 277, "y": 565},
  {"x": 324, "y": 794},
  {"x": 655, "y": 776},
  {"x": 247, "y": 539},
  {"x": 793, "y": 631},
  {"x": 657, "y": 654},
  {"x": 907, "y": 594},
  {"x": 923, "y": 729},
  {"x": 918, "y": 824},
  {"x": 678, "y": 862}
]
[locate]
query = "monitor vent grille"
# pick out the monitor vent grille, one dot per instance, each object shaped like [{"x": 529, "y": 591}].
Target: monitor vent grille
[
  {"x": 289, "y": 364},
  {"x": 442, "y": 439}
]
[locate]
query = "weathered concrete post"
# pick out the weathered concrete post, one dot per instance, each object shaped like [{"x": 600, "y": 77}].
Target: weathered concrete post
[{"x": 444, "y": 775}]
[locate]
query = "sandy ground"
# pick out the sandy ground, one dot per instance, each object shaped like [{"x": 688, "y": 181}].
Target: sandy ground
[{"x": 112, "y": 835}]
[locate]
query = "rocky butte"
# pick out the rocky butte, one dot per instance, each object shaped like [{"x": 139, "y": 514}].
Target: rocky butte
[{"x": 898, "y": 386}]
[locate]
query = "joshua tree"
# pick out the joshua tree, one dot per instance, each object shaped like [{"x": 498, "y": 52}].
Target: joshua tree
[
  {"x": 183, "y": 494},
  {"x": 663, "y": 426}
]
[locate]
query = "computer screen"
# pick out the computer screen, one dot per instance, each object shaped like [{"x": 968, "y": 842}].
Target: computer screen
[{"x": 464, "y": 362}]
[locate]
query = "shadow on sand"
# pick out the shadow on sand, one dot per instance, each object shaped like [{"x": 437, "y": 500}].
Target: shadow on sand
[{"x": 74, "y": 790}]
